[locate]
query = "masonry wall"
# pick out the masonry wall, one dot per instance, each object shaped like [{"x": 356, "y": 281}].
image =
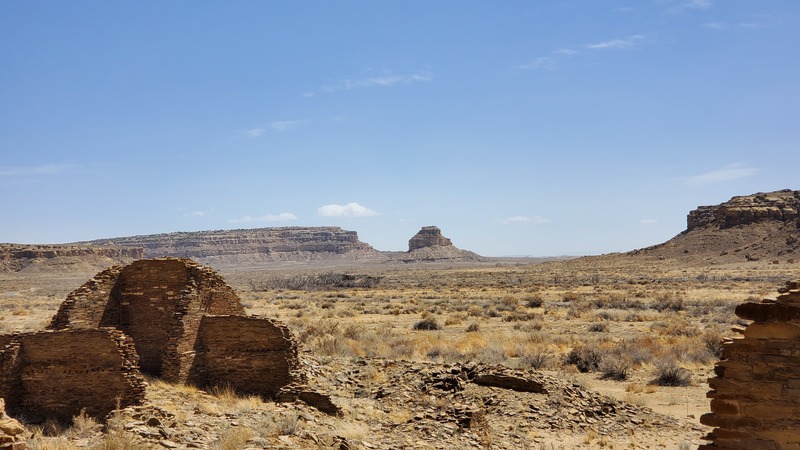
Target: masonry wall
[
  {"x": 755, "y": 397},
  {"x": 158, "y": 303},
  {"x": 56, "y": 374},
  {"x": 86, "y": 306},
  {"x": 250, "y": 354}
]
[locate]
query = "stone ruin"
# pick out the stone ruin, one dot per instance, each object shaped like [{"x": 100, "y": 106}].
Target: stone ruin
[
  {"x": 755, "y": 397},
  {"x": 170, "y": 318}
]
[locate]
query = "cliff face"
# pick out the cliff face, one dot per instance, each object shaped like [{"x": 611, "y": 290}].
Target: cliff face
[
  {"x": 780, "y": 206},
  {"x": 762, "y": 226},
  {"x": 427, "y": 237},
  {"x": 429, "y": 245},
  {"x": 15, "y": 257},
  {"x": 225, "y": 247}
]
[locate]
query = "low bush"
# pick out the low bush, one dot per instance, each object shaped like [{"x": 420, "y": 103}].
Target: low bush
[
  {"x": 427, "y": 324},
  {"x": 672, "y": 375}
]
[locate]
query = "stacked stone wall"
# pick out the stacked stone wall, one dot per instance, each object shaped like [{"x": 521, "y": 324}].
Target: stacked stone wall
[
  {"x": 250, "y": 354},
  {"x": 86, "y": 306},
  {"x": 755, "y": 397},
  {"x": 56, "y": 374}
]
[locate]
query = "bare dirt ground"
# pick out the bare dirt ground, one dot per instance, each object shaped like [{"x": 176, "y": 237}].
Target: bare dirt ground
[{"x": 607, "y": 336}]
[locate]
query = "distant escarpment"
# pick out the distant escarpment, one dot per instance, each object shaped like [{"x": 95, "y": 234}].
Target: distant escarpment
[
  {"x": 17, "y": 257},
  {"x": 762, "y": 226},
  {"x": 253, "y": 246},
  {"x": 429, "y": 245}
]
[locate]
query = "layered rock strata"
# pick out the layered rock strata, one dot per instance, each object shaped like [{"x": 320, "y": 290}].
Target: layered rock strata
[
  {"x": 429, "y": 245},
  {"x": 255, "y": 245},
  {"x": 15, "y": 257},
  {"x": 780, "y": 206},
  {"x": 428, "y": 237},
  {"x": 755, "y": 397}
]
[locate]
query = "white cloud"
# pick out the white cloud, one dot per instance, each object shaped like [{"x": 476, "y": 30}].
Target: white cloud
[
  {"x": 255, "y": 132},
  {"x": 47, "y": 169},
  {"x": 566, "y": 52},
  {"x": 728, "y": 173},
  {"x": 715, "y": 25},
  {"x": 540, "y": 64},
  {"x": 284, "y": 125},
  {"x": 523, "y": 219},
  {"x": 628, "y": 42},
  {"x": 690, "y": 5},
  {"x": 349, "y": 210},
  {"x": 282, "y": 217},
  {"x": 648, "y": 221},
  {"x": 388, "y": 79},
  {"x": 195, "y": 214}
]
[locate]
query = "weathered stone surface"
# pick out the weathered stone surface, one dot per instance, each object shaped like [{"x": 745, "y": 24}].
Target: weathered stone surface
[
  {"x": 428, "y": 237},
  {"x": 509, "y": 382},
  {"x": 758, "y": 227},
  {"x": 11, "y": 431},
  {"x": 252, "y": 355},
  {"x": 56, "y": 374},
  {"x": 186, "y": 324},
  {"x": 158, "y": 302},
  {"x": 429, "y": 245},
  {"x": 252, "y": 246},
  {"x": 780, "y": 206},
  {"x": 756, "y": 393},
  {"x": 15, "y": 257}
]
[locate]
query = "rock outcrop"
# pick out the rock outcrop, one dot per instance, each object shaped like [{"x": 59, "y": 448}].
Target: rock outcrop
[
  {"x": 252, "y": 246},
  {"x": 16, "y": 257},
  {"x": 429, "y": 245},
  {"x": 762, "y": 226},
  {"x": 780, "y": 206},
  {"x": 11, "y": 431},
  {"x": 428, "y": 237},
  {"x": 755, "y": 397}
]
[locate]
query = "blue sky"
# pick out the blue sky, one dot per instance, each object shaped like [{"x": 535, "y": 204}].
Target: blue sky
[{"x": 518, "y": 127}]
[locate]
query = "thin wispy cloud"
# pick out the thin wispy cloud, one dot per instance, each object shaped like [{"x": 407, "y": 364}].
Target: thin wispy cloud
[
  {"x": 195, "y": 214},
  {"x": 523, "y": 219},
  {"x": 387, "y": 79},
  {"x": 682, "y": 6},
  {"x": 43, "y": 170},
  {"x": 543, "y": 63},
  {"x": 731, "y": 172},
  {"x": 277, "y": 126},
  {"x": 349, "y": 210},
  {"x": 282, "y": 217},
  {"x": 284, "y": 125},
  {"x": 629, "y": 42},
  {"x": 648, "y": 221},
  {"x": 715, "y": 25},
  {"x": 566, "y": 52}
]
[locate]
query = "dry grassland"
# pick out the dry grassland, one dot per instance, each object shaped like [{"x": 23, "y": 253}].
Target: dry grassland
[{"x": 647, "y": 333}]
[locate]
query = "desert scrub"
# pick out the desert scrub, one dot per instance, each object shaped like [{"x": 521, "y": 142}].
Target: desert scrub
[
  {"x": 427, "y": 324},
  {"x": 670, "y": 374}
]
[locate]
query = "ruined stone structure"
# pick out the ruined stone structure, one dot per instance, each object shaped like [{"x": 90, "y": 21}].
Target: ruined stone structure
[
  {"x": 55, "y": 374},
  {"x": 159, "y": 303},
  {"x": 755, "y": 397},
  {"x": 169, "y": 317}
]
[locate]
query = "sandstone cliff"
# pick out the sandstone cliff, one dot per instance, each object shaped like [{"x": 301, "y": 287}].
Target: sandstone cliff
[
  {"x": 429, "y": 245},
  {"x": 253, "y": 246},
  {"x": 16, "y": 257},
  {"x": 762, "y": 226}
]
